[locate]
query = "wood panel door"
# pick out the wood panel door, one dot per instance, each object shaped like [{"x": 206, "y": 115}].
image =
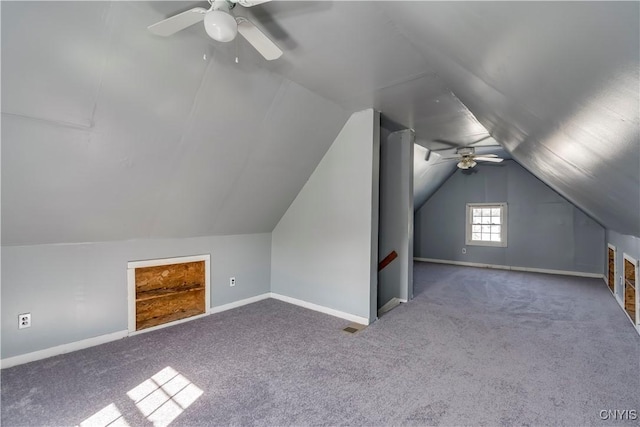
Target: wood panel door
[
  {"x": 166, "y": 290},
  {"x": 630, "y": 287},
  {"x": 611, "y": 278}
]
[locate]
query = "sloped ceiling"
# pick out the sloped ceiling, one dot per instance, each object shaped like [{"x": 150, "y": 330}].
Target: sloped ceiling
[
  {"x": 557, "y": 84},
  {"x": 111, "y": 133}
]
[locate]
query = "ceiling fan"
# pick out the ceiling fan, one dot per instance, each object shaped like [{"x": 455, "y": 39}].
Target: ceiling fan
[
  {"x": 221, "y": 25},
  {"x": 467, "y": 158}
]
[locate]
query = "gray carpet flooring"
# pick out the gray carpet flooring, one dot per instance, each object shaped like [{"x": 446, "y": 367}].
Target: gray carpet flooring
[{"x": 474, "y": 347}]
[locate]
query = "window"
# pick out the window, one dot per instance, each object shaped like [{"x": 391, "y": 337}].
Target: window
[{"x": 487, "y": 224}]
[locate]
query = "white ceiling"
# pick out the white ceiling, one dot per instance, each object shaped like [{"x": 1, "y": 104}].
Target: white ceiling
[{"x": 109, "y": 132}]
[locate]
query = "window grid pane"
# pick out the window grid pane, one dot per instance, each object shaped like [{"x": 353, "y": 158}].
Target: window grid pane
[{"x": 486, "y": 224}]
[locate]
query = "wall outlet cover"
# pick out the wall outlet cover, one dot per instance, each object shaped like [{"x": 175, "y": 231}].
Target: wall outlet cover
[
  {"x": 24, "y": 320},
  {"x": 232, "y": 281}
]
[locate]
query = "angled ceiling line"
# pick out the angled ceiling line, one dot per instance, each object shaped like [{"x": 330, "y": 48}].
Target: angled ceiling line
[
  {"x": 279, "y": 95},
  {"x": 51, "y": 122},
  {"x": 434, "y": 72},
  {"x": 400, "y": 81},
  {"x": 108, "y": 42},
  {"x": 188, "y": 123},
  {"x": 446, "y": 58}
]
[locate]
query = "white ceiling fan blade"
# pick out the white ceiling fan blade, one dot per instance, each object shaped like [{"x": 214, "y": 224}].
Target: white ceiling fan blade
[
  {"x": 486, "y": 155},
  {"x": 488, "y": 159},
  {"x": 178, "y": 22},
  {"x": 249, "y": 3},
  {"x": 258, "y": 40}
]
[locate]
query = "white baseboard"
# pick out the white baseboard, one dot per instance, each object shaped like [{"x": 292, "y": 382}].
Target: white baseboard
[
  {"x": 102, "y": 339},
  {"x": 321, "y": 309},
  {"x": 506, "y": 267},
  {"x": 61, "y": 349},
  {"x": 236, "y": 304}
]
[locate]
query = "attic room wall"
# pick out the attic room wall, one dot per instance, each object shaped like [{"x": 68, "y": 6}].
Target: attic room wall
[
  {"x": 325, "y": 247},
  {"x": 396, "y": 216},
  {"x": 545, "y": 231},
  {"x": 624, "y": 244},
  {"x": 79, "y": 291}
]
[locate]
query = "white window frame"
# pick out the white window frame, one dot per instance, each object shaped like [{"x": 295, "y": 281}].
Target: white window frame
[{"x": 503, "y": 225}]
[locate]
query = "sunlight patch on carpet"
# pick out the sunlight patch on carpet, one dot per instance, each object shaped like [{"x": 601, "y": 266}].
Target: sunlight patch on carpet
[
  {"x": 164, "y": 396},
  {"x": 108, "y": 416}
]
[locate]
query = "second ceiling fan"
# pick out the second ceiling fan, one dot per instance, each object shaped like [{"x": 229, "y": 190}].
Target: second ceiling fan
[
  {"x": 467, "y": 158},
  {"x": 221, "y": 25}
]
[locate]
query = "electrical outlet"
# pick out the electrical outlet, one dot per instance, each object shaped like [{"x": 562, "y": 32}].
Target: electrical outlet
[
  {"x": 464, "y": 250},
  {"x": 24, "y": 320},
  {"x": 232, "y": 281}
]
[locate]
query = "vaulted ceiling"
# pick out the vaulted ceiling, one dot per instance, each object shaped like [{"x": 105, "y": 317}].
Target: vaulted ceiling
[{"x": 109, "y": 132}]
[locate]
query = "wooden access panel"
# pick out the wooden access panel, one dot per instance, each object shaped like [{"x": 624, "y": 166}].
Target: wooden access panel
[
  {"x": 630, "y": 289},
  {"x": 166, "y": 293},
  {"x": 611, "y": 278}
]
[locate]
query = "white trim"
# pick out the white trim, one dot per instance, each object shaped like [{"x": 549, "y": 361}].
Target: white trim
[
  {"x": 506, "y": 267},
  {"x": 167, "y": 261},
  {"x": 131, "y": 287},
  {"x": 236, "y": 304},
  {"x": 61, "y": 349},
  {"x": 321, "y": 309}
]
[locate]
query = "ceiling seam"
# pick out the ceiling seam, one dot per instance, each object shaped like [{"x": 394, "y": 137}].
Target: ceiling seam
[
  {"x": 108, "y": 47},
  {"x": 280, "y": 93},
  {"x": 189, "y": 122}
]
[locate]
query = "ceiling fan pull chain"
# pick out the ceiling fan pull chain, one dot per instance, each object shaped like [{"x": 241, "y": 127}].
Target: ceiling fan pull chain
[{"x": 236, "y": 50}]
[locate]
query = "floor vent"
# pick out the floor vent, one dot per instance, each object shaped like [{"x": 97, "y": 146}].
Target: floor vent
[{"x": 353, "y": 328}]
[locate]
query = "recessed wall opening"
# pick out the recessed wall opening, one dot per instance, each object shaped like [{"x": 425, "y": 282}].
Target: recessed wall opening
[
  {"x": 164, "y": 291},
  {"x": 630, "y": 280},
  {"x": 611, "y": 269}
]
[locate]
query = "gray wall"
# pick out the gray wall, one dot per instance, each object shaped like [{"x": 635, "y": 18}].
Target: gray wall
[
  {"x": 79, "y": 291},
  {"x": 324, "y": 248},
  {"x": 396, "y": 216},
  {"x": 545, "y": 230},
  {"x": 624, "y": 244}
]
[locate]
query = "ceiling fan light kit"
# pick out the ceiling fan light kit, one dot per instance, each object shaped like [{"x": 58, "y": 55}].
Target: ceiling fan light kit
[
  {"x": 467, "y": 157},
  {"x": 221, "y": 25},
  {"x": 466, "y": 163}
]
